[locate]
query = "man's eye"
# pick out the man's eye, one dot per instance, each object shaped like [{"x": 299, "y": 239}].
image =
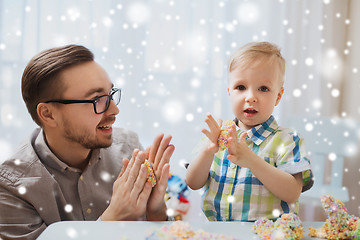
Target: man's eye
[
  {"x": 97, "y": 98},
  {"x": 94, "y": 98},
  {"x": 240, "y": 87},
  {"x": 263, "y": 89}
]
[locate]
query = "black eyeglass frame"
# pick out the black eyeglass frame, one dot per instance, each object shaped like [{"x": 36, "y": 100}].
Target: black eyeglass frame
[{"x": 93, "y": 101}]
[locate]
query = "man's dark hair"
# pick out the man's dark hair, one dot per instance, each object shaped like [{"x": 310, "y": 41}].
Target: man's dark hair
[{"x": 41, "y": 78}]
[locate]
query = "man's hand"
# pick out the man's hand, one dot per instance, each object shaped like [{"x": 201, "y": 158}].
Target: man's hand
[
  {"x": 130, "y": 191},
  {"x": 159, "y": 154}
]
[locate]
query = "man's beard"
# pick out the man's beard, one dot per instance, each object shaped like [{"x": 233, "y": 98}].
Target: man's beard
[{"x": 84, "y": 138}]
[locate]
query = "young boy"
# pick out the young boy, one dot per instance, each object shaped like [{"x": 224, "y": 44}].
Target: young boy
[{"x": 262, "y": 173}]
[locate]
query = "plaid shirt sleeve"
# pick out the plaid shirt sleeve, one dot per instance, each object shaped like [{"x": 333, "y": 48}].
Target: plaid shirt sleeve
[{"x": 292, "y": 156}]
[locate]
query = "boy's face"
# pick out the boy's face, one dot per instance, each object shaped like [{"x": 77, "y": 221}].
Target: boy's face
[
  {"x": 78, "y": 123},
  {"x": 254, "y": 92}
]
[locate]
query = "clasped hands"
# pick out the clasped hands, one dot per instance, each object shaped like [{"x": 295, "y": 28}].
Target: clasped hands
[
  {"x": 133, "y": 196},
  {"x": 238, "y": 149}
]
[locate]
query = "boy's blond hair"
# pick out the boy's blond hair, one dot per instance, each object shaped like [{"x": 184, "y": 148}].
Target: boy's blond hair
[{"x": 257, "y": 53}]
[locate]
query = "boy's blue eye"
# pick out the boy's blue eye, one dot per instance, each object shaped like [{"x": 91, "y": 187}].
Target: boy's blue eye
[
  {"x": 263, "y": 89},
  {"x": 240, "y": 87}
]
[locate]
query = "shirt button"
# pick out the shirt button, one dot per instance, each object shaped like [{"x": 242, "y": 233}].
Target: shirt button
[
  {"x": 88, "y": 210},
  {"x": 232, "y": 165},
  {"x": 81, "y": 178}
]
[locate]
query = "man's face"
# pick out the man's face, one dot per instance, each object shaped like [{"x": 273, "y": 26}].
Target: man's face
[{"x": 78, "y": 122}]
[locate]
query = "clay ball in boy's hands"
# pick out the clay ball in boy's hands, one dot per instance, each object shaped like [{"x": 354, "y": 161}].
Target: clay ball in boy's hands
[
  {"x": 223, "y": 140},
  {"x": 151, "y": 175}
]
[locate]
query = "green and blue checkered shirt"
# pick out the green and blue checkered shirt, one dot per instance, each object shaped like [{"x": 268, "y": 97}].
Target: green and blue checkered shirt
[{"x": 233, "y": 193}]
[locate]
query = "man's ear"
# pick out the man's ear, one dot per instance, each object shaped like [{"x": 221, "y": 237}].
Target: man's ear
[
  {"x": 280, "y": 93},
  {"x": 45, "y": 113}
]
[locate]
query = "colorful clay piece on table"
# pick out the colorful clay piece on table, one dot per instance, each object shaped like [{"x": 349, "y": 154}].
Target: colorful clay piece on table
[
  {"x": 339, "y": 224},
  {"x": 181, "y": 230},
  {"x": 287, "y": 227}
]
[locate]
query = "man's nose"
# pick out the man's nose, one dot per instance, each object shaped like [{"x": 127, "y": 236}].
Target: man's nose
[{"x": 113, "y": 109}]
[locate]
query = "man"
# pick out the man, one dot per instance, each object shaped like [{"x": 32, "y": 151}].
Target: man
[{"x": 76, "y": 166}]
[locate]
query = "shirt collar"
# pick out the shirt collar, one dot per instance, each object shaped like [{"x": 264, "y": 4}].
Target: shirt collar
[
  {"x": 48, "y": 158},
  {"x": 259, "y": 133}
]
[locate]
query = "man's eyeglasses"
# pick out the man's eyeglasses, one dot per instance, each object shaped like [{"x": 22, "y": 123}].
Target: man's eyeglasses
[{"x": 101, "y": 103}]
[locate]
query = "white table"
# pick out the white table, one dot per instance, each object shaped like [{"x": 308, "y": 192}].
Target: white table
[{"x": 137, "y": 230}]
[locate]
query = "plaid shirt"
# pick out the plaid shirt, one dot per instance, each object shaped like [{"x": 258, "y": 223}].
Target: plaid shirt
[{"x": 233, "y": 193}]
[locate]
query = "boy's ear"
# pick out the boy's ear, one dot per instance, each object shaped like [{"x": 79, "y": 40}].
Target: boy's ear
[
  {"x": 280, "y": 93},
  {"x": 45, "y": 113}
]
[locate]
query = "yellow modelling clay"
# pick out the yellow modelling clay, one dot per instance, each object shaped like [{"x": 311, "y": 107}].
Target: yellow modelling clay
[
  {"x": 223, "y": 140},
  {"x": 151, "y": 175}
]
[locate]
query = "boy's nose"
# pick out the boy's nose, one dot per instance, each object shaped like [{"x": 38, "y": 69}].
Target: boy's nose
[{"x": 250, "y": 97}]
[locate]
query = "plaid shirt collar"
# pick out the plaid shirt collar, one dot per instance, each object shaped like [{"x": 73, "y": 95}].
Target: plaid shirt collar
[{"x": 259, "y": 133}]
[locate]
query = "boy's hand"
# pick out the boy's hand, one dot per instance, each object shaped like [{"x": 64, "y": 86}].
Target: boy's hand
[
  {"x": 213, "y": 134},
  {"x": 238, "y": 150}
]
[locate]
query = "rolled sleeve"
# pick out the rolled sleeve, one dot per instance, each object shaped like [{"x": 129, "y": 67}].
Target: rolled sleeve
[{"x": 293, "y": 158}]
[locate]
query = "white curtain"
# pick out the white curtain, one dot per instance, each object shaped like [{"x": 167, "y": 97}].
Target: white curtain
[{"x": 170, "y": 58}]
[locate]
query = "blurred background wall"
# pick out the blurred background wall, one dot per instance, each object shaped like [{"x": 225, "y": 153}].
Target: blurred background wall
[{"x": 170, "y": 57}]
